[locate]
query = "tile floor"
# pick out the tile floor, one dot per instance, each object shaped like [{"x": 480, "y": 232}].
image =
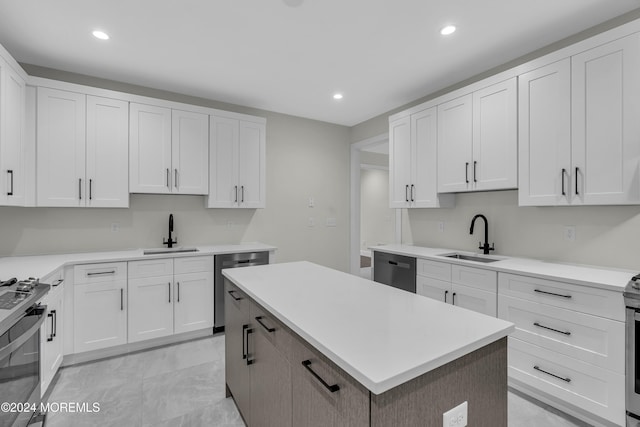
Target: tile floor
[{"x": 183, "y": 385}]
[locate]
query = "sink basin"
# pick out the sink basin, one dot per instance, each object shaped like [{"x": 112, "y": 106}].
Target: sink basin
[
  {"x": 470, "y": 257},
  {"x": 178, "y": 249}
]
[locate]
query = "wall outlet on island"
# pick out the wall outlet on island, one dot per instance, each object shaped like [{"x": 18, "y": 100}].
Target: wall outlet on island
[{"x": 456, "y": 417}]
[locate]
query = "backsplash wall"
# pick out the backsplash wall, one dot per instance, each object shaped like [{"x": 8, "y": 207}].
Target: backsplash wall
[{"x": 605, "y": 235}]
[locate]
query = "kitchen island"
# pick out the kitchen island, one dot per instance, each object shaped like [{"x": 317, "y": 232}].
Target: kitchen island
[{"x": 307, "y": 345}]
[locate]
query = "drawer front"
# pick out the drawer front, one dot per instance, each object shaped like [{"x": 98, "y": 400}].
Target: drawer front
[
  {"x": 588, "y": 338},
  {"x": 474, "y": 277},
  {"x": 433, "y": 288},
  {"x": 598, "y": 302},
  {"x": 150, "y": 268},
  {"x": 96, "y": 273},
  {"x": 434, "y": 269},
  {"x": 274, "y": 331},
  {"x": 195, "y": 264},
  {"x": 596, "y": 390}
]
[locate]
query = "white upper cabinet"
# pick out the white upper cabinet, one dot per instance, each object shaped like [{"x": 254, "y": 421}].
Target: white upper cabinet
[
  {"x": 477, "y": 140},
  {"x": 149, "y": 149},
  {"x": 579, "y": 128},
  {"x": 107, "y": 171},
  {"x": 61, "y": 141},
  {"x": 81, "y": 150},
  {"x": 605, "y": 88},
  {"x": 12, "y": 136},
  {"x": 190, "y": 152},
  {"x": 413, "y": 162},
  {"x": 168, "y": 150},
  {"x": 237, "y": 160},
  {"x": 545, "y": 135}
]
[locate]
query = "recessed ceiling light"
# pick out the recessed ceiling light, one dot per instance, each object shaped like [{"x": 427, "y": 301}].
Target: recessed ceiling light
[
  {"x": 337, "y": 96},
  {"x": 100, "y": 35},
  {"x": 449, "y": 29}
]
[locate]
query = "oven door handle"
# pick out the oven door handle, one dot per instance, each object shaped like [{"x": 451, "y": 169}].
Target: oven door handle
[{"x": 15, "y": 344}]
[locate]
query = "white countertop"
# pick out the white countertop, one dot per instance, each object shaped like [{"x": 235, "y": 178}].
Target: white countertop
[
  {"x": 381, "y": 336},
  {"x": 40, "y": 266},
  {"x": 585, "y": 275}
]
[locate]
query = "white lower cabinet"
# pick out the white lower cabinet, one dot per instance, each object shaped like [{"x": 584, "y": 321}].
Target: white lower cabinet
[
  {"x": 170, "y": 296},
  {"x": 568, "y": 347},
  {"x": 100, "y": 306},
  {"x": 467, "y": 287},
  {"x": 51, "y": 337}
]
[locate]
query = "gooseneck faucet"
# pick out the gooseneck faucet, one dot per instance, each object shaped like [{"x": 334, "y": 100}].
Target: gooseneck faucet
[
  {"x": 485, "y": 247},
  {"x": 170, "y": 242}
]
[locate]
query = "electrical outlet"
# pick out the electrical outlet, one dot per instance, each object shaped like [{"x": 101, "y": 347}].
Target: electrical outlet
[
  {"x": 456, "y": 417},
  {"x": 312, "y": 222},
  {"x": 115, "y": 227},
  {"x": 331, "y": 222},
  {"x": 441, "y": 226},
  {"x": 230, "y": 224},
  {"x": 312, "y": 202},
  {"x": 569, "y": 233}
]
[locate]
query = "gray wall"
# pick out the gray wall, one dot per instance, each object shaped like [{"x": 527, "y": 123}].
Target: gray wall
[
  {"x": 305, "y": 158},
  {"x": 605, "y": 235}
]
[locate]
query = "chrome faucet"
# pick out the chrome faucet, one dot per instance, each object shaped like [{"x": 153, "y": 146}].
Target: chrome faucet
[
  {"x": 485, "y": 247},
  {"x": 170, "y": 242}
]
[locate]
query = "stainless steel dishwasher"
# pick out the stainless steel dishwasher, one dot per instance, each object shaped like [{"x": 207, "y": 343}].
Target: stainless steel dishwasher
[
  {"x": 394, "y": 270},
  {"x": 243, "y": 259}
]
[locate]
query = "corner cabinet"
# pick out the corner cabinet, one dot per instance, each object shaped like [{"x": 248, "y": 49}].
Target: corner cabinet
[
  {"x": 413, "y": 162},
  {"x": 82, "y": 146},
  {"x": 477, "y": 140},
  {"x": 12, "y": 136},
  {"x": 579, "y": 128},
  {"x": 168, "y": 150},
  {"x": 237, "y": 161}
]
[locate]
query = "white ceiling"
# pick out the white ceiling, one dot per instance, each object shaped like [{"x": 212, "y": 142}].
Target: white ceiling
[{"x": 274, "y": 55}]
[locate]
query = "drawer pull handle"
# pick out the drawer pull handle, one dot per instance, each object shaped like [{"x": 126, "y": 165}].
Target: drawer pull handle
[
  {"x": 100, "y": 273},
  {"x": 445, "y": 295},
  {"x": 268, "y": 329},
  {"x": 537, "y": 368},
  {"x": 57, "y": 282},
  {"x": 233, "y": 296},
  {"x": 551, "y": 329},
  {"x": 551, "y": 293},
  {"x": 332, "y": 388}
]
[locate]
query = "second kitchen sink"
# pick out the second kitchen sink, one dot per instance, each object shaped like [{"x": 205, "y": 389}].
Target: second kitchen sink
[{"x": 465, "y": 257}]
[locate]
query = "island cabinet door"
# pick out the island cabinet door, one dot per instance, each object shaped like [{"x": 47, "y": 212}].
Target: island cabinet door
[
  {"x": 237, "y": 329},
  {"x": 322, "y": 394}
]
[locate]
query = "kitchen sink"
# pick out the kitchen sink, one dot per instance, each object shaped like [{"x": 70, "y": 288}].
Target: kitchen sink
[
  {"x": 178, "y": 249},
  {"x": 470, "y": 257}
]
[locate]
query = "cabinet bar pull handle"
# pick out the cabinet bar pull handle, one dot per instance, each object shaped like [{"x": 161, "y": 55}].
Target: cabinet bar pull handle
[
  {"x": 121, "y": 299},
  {"x": 268, "y": 329},
  {"x": 242, "y": 188},
  {"x": 537, "y": 368},
  {"x": 55, "y": 322},
  {"x": 332, "y": 388},
  {"x": 168, "y": 173},
  {"x": 233, "y": 296},
  {"x": 57, "y": 282},
  {"x": 178, "y": 291},
  {"x": 236, "y": 190},
  {"x": 475, "y": 163},
  {"x": 100, "y": 273},
  {"x": 249, "y": 361},
  {"x": 551, "y": 293},
  {"x": 406, "y": 193},
  {"x": 453, "y": 299},
  {"x": 564, "y": 171},
  {"x": 50, "y": 337},
  {"x": 176, "y": 179},
  {"x": 551, "y": 329},
  {"x": 445, "y": 295},
  {"x": 80, "y": 188},
  {"x": 466, "y": 172},
  {"x": 90, "y": 192},
  {"x": 169, "y": 286},
  {"x": 244, "y": 342},
  {"x": 412, "y": 197},
  {"x": 577, "y": 169},
  {"x": 10, "y": 192}
]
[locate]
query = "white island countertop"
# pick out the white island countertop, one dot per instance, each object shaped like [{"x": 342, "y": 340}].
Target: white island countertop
[{"x": 381, "y": 336}]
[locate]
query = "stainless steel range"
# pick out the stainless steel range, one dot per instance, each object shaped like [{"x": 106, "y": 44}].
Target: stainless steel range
[
  {"x": 632, "y": 303},
  {"x": 20, "y": 319}
]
